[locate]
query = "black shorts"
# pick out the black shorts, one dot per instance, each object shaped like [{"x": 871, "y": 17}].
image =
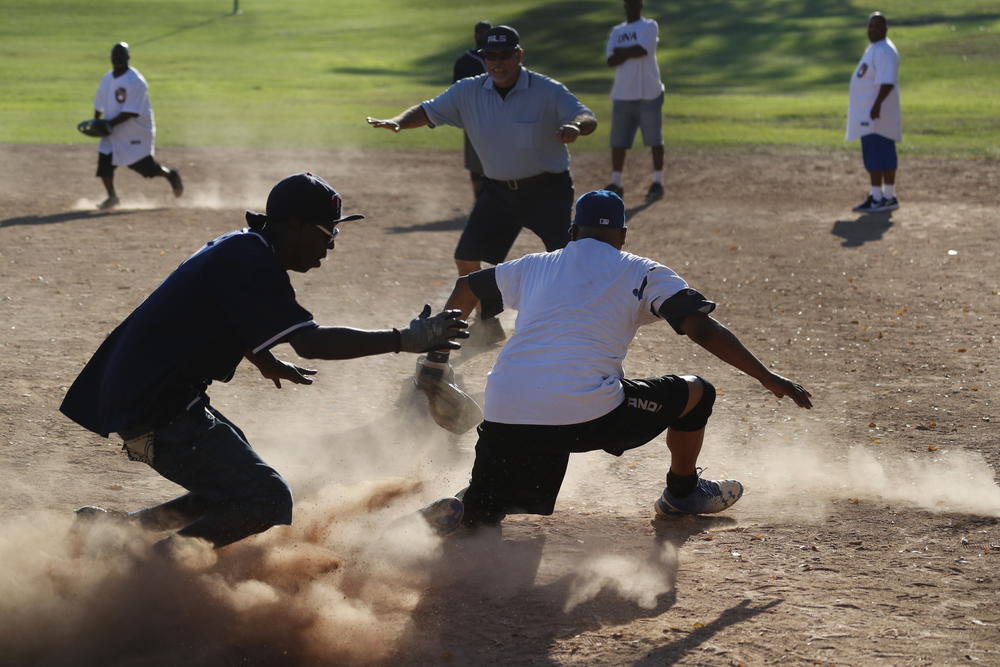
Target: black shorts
[
  {"x": 542, "y": 203},
  {"x": 147, "y": 166},
  {"x": 519, "y": 468}
]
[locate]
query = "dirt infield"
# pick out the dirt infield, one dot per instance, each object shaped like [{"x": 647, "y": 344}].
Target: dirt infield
[{"x": 870, "y": 528}]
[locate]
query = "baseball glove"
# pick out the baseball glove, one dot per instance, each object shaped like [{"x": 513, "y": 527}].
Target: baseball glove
[
  {"x": 94, "y": 127},
  {"x": 452, "y": 409}
]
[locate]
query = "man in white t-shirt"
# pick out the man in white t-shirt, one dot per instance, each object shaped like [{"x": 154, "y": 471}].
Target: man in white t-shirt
[
  {"x": 122, "y": 100},
  {"x": 636, "y": 96},
  {"x": 873, "y": 115},
  {"x": 558, "y": 385}
]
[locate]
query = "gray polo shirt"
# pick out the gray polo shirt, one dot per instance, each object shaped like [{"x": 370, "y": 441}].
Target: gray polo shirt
[{"x": 516, "y": 137}]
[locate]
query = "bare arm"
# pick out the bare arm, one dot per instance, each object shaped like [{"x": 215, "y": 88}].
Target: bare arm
[
  {"x": 883, "y": 92},
  {"x": 343, "y": 342},
  {"x": 622, "y": 54},
  {"x": 712, "y": 335},
  {"x": 583, "y": 124},
  {"x": 462, "y": 297},
  {"x": 407, "y": 120}
]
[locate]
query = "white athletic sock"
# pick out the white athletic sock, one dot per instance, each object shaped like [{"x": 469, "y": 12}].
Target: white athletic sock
[
  {"x": 616, "y": 178},
  {"x": 877, "y": 193},
  {"x": 889, "y": 191},
  {"x": 658, "y": 177}
]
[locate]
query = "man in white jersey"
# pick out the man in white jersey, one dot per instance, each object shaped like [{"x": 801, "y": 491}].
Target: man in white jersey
[
  {"x": 122, "y": 99},
  {"x": 873, "y": 115},
  {"x": 637, "y": 95},
  {"x": 558, "y": 385}
]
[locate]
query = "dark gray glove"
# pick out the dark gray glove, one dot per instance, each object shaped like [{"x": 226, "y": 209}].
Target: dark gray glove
[{"x": 427, "y": 333}]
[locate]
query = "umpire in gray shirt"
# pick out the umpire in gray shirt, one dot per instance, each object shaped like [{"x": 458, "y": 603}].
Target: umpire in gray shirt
[{"x": 519, "y": 122}]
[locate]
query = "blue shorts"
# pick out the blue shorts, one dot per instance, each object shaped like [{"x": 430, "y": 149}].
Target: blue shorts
[
  {"x": 878, "y": 153},
  {"x": 629, "y": 115}
]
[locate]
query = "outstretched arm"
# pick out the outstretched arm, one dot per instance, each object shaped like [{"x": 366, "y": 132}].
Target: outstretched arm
[
  {"x": 583, "y": 124},
  {"x": 409, "y": 119},
  {"x": 710, "y": 334}
]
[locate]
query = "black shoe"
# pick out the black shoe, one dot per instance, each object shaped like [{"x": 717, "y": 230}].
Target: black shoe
[
  {"x": 108, "y": 204},
  {"x": 654, "y": 192},
  {"x": 617, "y": 189},
  {"x": 870, "y": 205},
  {"x": 889, "y": 204},
  {"x": 94, "y": 513},
  {"x": 176, "y": 183}
]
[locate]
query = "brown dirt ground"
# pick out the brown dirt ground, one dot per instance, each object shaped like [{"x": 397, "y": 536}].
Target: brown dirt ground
[{"x": 869, "y": 532}]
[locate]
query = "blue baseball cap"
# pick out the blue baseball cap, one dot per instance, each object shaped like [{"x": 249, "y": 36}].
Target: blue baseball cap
[
  {"x": 600, "y": 208},
  {"x": 307, "y": 198}
]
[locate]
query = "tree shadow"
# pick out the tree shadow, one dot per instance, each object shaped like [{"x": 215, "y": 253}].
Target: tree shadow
[
  {"x": 60, "y": 217},
  {"x": 868, "y": 227},
  {"x": 186, "y": 28}
]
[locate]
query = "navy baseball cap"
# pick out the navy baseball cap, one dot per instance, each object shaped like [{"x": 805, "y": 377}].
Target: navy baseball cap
[
  {"x": 501, "y": 38},
  {"x": 308, "y": 198},
  {"x": 600, "y": 208}
]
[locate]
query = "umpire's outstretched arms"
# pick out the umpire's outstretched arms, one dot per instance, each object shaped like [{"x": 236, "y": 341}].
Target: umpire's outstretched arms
[
  {"x": 409, "y": 119},
  {"x": 712, "y": 335}
]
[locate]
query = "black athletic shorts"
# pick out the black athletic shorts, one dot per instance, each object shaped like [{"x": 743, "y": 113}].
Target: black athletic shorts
[
  {"x": 542, "y": 203},
  {"x": 519, "y": 468},
  {"x": 147, "y": 166}
]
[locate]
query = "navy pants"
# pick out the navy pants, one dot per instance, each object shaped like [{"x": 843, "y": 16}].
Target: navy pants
[{"x": 232, "y": 493}]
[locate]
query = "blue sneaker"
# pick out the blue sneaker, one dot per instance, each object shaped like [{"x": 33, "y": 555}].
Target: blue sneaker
[
  {"x": 444, "y": 516},
  {"x": 708, "y": 497}
]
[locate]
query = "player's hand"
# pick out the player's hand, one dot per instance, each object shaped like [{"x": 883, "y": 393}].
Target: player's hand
[
  {"x": 387, "y": 124},
  {"x": 781, "y": 386},
  {"x": 876, "y": 111},
  {"x": 286, "y": 371},
  {"x": 568, "y": 133},
  {"x": 427, "y": 333}
]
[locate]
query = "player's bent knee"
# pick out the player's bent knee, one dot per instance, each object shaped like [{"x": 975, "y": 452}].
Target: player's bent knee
[
  {"x": 273, "y": 507},
  {"x": 697, "y": 417}
]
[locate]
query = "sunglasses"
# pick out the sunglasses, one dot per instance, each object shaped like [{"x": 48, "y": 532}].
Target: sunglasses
[
  {"x": 498, "y": 55},
  {"x": 332, "y": 235}
]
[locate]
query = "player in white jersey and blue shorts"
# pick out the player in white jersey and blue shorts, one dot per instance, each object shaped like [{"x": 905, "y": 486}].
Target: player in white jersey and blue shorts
[
  {"x": 122, "y": 99},
  {"x": 873, "y": 115}
]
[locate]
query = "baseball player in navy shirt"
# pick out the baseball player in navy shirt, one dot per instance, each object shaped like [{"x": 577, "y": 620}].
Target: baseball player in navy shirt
[
  {"x": 558, "y": 387},
  {"x": 230, "y": 300}
]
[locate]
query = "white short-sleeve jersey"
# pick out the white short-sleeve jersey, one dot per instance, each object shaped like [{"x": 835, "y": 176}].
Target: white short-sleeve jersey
[
  {"x": 578, "y": 310},
  {"x": 878, "y": 65},
  {"x": 132, "y": 140},
  {"x": 636, "y": 78}
]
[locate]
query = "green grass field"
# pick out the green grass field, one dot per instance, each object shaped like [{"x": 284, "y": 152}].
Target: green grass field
[{"x": 739, "y": 73}]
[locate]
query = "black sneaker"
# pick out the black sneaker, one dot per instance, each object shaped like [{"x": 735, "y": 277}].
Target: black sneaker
[
  {"x": 617, "y": 189},
  {"x": 108, "y": 204},
  {"x": 176, "y": 183},
  {"x": 890, "y": 204},
  {"x": 654, "y": 192},
  {"x": 870, "y": 205}
]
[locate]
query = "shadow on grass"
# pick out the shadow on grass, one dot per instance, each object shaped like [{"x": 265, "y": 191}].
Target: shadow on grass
[
  {"x": 68, "y": 216},
  {"x": 868, "y": 227},
  {"x": 184, "y": 28},
  {"x": 783, "y": 46}
]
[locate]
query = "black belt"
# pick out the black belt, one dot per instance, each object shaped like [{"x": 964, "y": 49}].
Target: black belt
[{"x": 518, "y": 183}]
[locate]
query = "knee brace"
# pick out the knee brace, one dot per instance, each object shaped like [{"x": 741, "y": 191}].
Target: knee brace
[{"x": 698, "y": 417}]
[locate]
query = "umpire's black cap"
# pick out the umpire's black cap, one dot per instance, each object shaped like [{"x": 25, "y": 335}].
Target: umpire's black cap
[
  {"x": 501, "y": 38},
  {"x": 308, "y": 198}
]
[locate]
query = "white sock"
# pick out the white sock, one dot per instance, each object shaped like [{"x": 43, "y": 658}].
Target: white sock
[
  {"x": 658, "y": 177},
  {"x": 616, "y": 178},
  {"x": 877, "y": 192},
  {"x": 889, "y": 191}
]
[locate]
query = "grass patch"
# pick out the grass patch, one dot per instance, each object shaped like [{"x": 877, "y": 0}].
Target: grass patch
[{"x": 306, "y": 72}]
